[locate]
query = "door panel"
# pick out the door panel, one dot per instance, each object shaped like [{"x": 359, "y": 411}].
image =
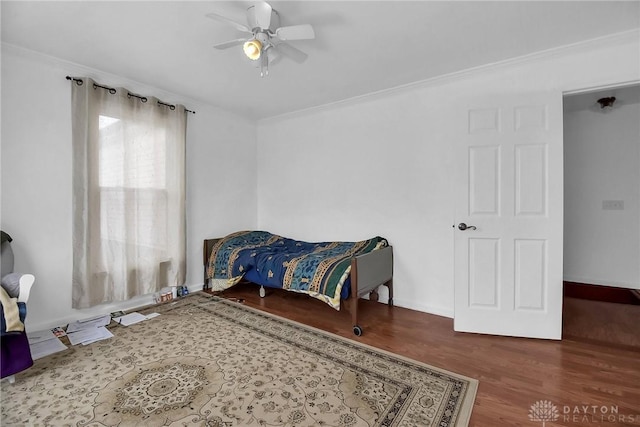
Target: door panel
[
  {"x": 484, "y": 273},
  {"x": 484, "y": 180},
  {"x": 531, "y": 179},
  {"x": 530, "y": 274},
  {"x": 509, "y": 186}
]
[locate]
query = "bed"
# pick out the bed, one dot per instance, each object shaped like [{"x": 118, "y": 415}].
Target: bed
[{"x": 338, "y": 273}]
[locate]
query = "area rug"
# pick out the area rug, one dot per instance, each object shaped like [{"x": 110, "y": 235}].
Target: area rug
[{"x": 206, "y": 361}]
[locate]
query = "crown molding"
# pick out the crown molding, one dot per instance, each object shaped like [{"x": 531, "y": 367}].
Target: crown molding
[
  {"x": 113, "y": 80},
  {"x": 630, "y": 36}
]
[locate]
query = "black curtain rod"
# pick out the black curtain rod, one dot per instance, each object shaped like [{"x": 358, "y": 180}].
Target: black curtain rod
[{"x": 112, "y": 91}]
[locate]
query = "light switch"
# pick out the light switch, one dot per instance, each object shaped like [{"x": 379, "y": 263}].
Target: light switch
[{"x": 613, "y": 205}]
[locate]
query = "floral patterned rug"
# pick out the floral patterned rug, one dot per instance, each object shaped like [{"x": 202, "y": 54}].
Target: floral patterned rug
[{"x": 206, "y": 361}]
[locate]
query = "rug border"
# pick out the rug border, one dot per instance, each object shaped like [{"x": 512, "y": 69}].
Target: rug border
[{"x": 464, "y": 414}]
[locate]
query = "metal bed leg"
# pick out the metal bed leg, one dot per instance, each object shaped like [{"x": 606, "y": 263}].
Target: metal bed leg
[
  {"x": 389, "y": 286},
  {"x": 263, "y": 293},
  {"x": 357, "y": 329}
]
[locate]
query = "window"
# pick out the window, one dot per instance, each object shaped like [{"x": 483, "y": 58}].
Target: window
[{"x": 132, "y": 168}]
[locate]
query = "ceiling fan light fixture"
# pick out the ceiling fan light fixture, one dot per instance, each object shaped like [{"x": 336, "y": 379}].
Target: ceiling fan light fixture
[{"x": 252, "y": 48}]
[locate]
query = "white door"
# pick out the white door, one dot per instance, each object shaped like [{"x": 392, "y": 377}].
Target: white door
[{"x": 509, "y": 194}]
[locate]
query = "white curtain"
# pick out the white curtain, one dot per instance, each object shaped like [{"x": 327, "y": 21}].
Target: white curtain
[{"x": 128, "y": 195}]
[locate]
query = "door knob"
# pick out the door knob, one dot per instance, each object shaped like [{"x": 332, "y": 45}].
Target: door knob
[{"x": 462, "y": 226}]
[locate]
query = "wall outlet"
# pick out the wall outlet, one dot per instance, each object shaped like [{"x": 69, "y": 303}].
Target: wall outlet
[{"x": 613, "y": 205}]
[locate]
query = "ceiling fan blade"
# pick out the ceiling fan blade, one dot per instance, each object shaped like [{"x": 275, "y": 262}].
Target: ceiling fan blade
[
  {"x": 228, "y": 21},
  {"x": 296, "y": 32},
  {"x": 262, "y": 11},
  {"x": 230, "y": 43},
  {"x": 291, "y": 52}
]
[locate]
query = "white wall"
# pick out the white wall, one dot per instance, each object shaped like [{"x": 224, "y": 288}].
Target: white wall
[
  {"x": 384, "y": 164},
  {"x": 36, "y": 177},
  {"x": 390, "y": 171},
  {"x": 602, "y": 162}
]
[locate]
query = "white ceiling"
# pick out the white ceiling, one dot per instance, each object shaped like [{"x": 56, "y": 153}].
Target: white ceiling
[{"x": 360, "y": 46}]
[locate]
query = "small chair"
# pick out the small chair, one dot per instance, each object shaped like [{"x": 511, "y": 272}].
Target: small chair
[{"x": 15, "y": 354}]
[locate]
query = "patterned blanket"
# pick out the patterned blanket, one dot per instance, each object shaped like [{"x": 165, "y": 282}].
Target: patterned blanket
[{"x": 317, "y": 269}]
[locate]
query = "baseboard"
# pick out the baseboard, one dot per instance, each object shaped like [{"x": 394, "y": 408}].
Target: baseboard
[
  {"x": 126, "y": 306},
  {"x": 411, "y": 305},
  {"x": 601, "y": 293},
  {"x": 600, "y": 282}
]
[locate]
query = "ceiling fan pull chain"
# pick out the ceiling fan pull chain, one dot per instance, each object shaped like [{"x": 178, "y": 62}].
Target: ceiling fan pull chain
[{"x": 264, "y": 64}]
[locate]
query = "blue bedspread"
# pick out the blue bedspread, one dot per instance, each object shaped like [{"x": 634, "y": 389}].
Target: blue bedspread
[{"x": 317, "y": 269}]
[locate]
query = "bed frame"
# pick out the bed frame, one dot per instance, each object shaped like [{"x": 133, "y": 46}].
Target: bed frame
[{"x": 368, "y": 272}]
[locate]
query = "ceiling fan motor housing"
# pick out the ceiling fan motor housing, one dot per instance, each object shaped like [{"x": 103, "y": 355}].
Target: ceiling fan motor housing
[{"x": 263, "y": 38}]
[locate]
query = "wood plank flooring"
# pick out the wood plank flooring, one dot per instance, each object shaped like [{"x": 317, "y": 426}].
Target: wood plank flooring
[
  {"x": 604, "y": 322},
  {"x": 587, "y": 380}
]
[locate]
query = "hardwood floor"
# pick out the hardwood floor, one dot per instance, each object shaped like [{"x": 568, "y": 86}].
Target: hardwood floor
[
  {"x": 597, "y": 385},
  {"x": 604, "y": 322}
]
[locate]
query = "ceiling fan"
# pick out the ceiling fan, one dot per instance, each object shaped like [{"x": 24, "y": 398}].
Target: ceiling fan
[{"x": 266, "y": 40}]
